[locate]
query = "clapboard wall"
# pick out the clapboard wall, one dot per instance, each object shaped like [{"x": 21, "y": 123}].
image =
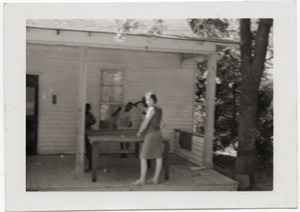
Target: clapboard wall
[
  {"x": 196, "y": 153},
  {"x": 58, "y": 67}
]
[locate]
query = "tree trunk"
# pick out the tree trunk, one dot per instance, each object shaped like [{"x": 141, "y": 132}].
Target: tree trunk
[
  {"x": 252, "y": 69},
  {"x": 234, "y": 111}
]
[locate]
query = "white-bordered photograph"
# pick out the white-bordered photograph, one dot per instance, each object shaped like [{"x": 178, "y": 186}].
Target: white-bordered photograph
[{"x": 113, "y": 105}]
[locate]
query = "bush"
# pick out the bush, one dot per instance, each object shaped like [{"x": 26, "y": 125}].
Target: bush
[
  {"x": 227, "y": 104},
  {"x": 264, "y": 141}
]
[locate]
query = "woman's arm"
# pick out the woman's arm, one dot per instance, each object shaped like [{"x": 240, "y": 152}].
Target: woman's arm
[{"x": 149, "y": 115}]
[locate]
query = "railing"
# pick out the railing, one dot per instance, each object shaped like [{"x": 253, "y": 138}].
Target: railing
[{"x": 189, "y": 145}]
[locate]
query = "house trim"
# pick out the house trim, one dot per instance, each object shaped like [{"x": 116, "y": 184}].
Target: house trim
[{"x": 106, "y": 40}]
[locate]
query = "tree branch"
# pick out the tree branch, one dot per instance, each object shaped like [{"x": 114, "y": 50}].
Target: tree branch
[
  {"x": 246, "y": 40},
  {"x": 261, "y": 45}
]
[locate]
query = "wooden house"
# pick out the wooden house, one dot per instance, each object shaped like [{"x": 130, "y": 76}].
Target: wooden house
[{"x": 73, "y": 62}]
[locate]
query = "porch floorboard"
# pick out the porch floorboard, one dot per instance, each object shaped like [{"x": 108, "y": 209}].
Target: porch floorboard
[{"x": 57, "y": 173}]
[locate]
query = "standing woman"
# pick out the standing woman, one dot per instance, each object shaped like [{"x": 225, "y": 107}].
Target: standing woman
[{"x": 152, "y": 145}]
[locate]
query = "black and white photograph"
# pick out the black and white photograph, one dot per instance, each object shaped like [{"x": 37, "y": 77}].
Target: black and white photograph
[
  {"x": 124, "y": 99},
  {"x": 133, "y": 107}
]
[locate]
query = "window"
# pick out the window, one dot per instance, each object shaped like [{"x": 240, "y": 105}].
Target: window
[{"x": 111, "y": 99}]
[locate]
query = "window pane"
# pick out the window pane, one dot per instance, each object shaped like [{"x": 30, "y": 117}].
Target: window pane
[
  {"x": 108, "y": 116},
  {"x": 112, "y": 94},
  {"x": 106, "y": 77},
  {"x": 104, "y": 112},
  {"x": 106, "y": 94},
  {"x": 117, "y": 96},
  {"x": 117, "y": 77},
  {"x": 112, "y": 77}
]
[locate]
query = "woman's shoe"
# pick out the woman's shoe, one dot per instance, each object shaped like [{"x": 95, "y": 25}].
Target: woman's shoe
[
  {"x": 138, "y": 182},
  {"x": 151, "y": 181}
]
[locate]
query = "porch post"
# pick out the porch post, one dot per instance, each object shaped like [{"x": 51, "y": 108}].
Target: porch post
[
  {"x": 80, "y": 147},
  {"x": 210, "y": 109}
]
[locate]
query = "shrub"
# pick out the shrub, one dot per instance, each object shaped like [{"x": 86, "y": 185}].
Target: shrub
[{"x": 227, "y": 104}]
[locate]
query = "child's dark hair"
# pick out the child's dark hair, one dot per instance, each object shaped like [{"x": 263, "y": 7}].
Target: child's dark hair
[{"x": 87, "y": 106}]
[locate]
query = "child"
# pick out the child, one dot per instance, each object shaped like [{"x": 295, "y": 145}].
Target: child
[
  {"x": 89, "y": 117},
  {"x": 124, "y": 122},
  {"x": 89, "y": 121}
]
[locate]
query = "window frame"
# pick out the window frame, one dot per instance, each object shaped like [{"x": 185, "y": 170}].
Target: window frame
[{"x": 110, "y": 103}]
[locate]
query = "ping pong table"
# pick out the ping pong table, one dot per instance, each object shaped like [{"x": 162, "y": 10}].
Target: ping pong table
[{"x": 119, "y": 136}]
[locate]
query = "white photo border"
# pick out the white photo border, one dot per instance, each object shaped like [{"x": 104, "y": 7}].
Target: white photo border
[{"x": 284, "y": 194}]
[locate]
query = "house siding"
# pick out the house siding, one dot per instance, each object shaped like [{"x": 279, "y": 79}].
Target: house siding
[
  {"x": 196, "y": 153},
  {"x": 161, "y": 73},
  {"x": 57, "y": 67}
]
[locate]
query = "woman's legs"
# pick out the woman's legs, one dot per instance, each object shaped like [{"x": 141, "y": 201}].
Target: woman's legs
[
  {"x": 142, "y": 178},
  {"x": 143, "y": 170},
  {"x": 158, "y": 168}
]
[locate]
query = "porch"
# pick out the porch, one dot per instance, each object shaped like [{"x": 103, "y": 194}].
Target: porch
[
  {"x": 56, "y": 173},
  {"x": 107, "y": 75}
]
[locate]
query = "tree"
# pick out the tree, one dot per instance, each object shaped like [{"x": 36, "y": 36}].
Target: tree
[
  {"x": 254, "y": 46},
  {"x": 152, "y": 29},
  {"x": 253, "y": 61}
]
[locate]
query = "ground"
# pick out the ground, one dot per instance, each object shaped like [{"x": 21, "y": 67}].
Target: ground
[
  {"x": 263, "y": 175},
  {"x": 57, "y": 173}
]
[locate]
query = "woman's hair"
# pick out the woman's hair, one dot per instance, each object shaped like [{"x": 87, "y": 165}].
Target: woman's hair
[{"x": 152, "y": 96}]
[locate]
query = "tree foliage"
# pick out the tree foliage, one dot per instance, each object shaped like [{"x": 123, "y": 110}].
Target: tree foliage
[
  {"x": 229, "y": 85},
  {"x": 152, "y": 29},
  {"x": 210, "y": 28},
  {"x": 227, "y": 104}
]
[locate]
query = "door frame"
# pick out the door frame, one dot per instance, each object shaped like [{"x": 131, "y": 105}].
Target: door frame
[{"x": 36, "y": 108}]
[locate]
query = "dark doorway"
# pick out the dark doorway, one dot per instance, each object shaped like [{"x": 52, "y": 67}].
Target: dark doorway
[{"x": 32, "y": 85}]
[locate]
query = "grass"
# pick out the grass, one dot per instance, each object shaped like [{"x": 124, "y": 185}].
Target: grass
[{"x": 263, "y": 175}]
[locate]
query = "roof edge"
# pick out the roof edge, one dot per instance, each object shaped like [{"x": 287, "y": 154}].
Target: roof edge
[{"x": 212, "y": 40}]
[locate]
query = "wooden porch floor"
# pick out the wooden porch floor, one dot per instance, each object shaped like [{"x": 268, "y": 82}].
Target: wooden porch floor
[{"x": 56, "y": 173}]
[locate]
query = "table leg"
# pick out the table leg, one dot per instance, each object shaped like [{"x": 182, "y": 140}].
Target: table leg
[
  {"x": 166, "y": 159},
  {"x": 88, "y": 148},
  {"x": 94, "y": 161},
  {"x": 137, "y": 148}
]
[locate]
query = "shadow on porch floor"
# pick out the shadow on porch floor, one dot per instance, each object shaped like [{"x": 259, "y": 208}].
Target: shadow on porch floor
[{"x": 56, "y": 173}]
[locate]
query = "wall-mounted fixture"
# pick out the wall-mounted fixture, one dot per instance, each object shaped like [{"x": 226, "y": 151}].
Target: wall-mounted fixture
[{"x": 54, "y": 99}]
